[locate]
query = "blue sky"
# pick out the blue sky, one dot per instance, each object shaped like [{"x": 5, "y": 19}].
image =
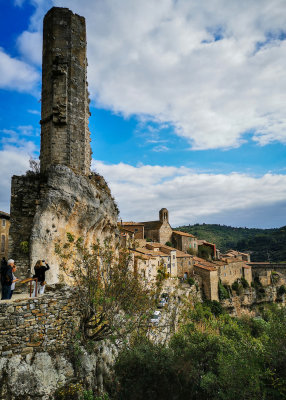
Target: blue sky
[{"x": 187, "y": 102}]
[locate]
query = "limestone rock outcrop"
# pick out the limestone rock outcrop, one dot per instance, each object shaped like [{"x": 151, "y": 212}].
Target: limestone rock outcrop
[{"x": 44, "y": 207}]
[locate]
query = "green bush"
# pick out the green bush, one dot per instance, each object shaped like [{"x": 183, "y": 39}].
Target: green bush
[
  {"x": 237, "y": 286},
  {"x": 191, "y": 281},
  {"x": 274, "y": 277},
  {"x": 71, "y": 391},
  {"x": 215, "y": 307},
  {"x": 230, "y": 359},
  {"x": 222, "y": 292},
  {"x": 281, "y": 290},
  {"x": 244, "y": 283}
]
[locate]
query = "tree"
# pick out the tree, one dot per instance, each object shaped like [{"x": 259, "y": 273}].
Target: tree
[{"x": 112, "y": 300}]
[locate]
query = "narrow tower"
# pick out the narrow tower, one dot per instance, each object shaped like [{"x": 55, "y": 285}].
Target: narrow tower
[{"x": 65, "y": 136}]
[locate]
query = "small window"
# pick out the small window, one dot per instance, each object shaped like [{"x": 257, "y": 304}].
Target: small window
[
  {"x": 135, "y": 230},
  {"x": 174, "y": 256},
  {"x": 224, "y": 267},
  {"x": 224, "y": 274},
  {"x": 3, "y": 222},
  {"x": 3, "y": 240}
]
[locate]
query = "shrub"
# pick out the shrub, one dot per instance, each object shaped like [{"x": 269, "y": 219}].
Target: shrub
[
  {"x": 168, "y": 244},
  {"x": 215, "y": 307},
  {"x": 191, "y": 281},
  {"x": 24, "y": 247},
  {"x": 274, "y": 277},
  {"x": 281, "y": 290},
  {"x": 237, "y": 286},
  {"x": 244, "y": 283},
  {"x": 222, "y": 292}
]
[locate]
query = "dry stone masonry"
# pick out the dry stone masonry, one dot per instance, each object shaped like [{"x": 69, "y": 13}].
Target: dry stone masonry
[{"x": 65, "y": 137}]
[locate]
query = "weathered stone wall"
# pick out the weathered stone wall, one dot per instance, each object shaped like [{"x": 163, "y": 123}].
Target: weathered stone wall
[
  {"x": 4, "y": 234},
  {"x": 185, "y": 265},
  {"x": 46, "y": 206},
  {"x": 260, "y": 268},
  {"x": 65, "y": 137},
  {"x": 37, "y": 324},
  {"x": 39, "y": 352},
  {"x": 228, "y": 273},
  {"x": 25, "y": 197},
  {"x": 210, "y": 282},
  {"x": 165, "y": 233}
]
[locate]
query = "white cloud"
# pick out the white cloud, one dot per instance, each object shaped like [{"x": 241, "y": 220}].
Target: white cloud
[
  {"x": 16, "y": 74},
  {"x": 212, "y": 69},
  {"x": 195, "y": 197},
  {"x": 161, "y": 58},
  {"x": 30, "y": 46},
  {"x": 14, "y": 160}
]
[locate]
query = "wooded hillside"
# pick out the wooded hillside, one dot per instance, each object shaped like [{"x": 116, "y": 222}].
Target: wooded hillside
[{"x": 262, "y": 244}]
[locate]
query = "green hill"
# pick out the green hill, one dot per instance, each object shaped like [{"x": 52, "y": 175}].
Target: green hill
[{"x": 262, "y": 244}]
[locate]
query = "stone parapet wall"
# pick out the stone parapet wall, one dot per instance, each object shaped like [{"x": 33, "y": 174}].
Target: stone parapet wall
[{"x": 31, "y": 325}]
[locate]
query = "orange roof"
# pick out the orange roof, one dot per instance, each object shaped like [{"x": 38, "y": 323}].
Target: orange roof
[
  {"x": 200, "y": 262},
  {"x": 130, "y": 223},
  {"x": 183, "y": 233},
  {"x": 179, "y": 253},
  {"x": 141, "y": 255},
  {"x": 205, "y": 267}
]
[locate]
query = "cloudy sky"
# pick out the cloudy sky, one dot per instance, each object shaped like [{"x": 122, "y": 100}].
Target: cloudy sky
[{"x": 188, "y": 104}]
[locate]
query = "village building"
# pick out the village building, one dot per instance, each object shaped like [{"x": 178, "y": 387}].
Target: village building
[
  {"x": 185, "y": 242},
  {"x": 231, "y": 269},
  {"x": 136, "y": 227},
  {"x": 209, "y": 274},
  {"x": 237, "y": 254},
  {"x": 4, "y": 233},
  {"x": 176, "y": 262},
  {"x": 159, "y": 231},
  {"x": 227, "y": 271}
]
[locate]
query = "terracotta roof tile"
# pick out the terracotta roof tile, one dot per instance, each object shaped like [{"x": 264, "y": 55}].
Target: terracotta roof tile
[
  {"x": 183, "y": 234},
  {"x": 130, "y": 223}
]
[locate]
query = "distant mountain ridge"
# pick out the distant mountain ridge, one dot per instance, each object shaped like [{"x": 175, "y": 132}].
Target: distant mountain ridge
[{"x": 262, "y": 244}]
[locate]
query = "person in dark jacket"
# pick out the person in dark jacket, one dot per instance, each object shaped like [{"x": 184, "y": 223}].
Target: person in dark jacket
[
  {"x": 6, "y": 278},
  {"x": 40, "y": 273}
]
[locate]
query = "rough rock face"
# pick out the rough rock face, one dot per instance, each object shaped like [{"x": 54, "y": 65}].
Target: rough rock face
[
  {"x": 45, "y": 207},
  {"x": 249, "y": 300},
  {"x": 37, "y": 377}
]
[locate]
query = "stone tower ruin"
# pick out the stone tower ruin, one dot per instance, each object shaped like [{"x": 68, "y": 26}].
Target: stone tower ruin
[
  {"x": 65, "y": 196},
  {"x": 65, "y": 136}
]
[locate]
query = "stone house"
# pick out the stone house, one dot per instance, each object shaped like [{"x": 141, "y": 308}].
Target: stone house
[
  {"x": 209, "y": 274},
  {"x": 145, "y": 266},
  {"x": 136, "y": 227},
  {"x": 159, "y": 231},
  {"x": 210, "y": 247},
  {"x": 230, "y": 269},
  {"x": 226, "y": 270},
  {"x": 185, "y": 241},
  {"x": 237, "y": 254},
  {"x": 176, "y": 262},
  {"x": 4, "y": 234}
]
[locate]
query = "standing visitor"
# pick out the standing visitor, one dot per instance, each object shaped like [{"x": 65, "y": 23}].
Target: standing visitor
[
  {"x": 40, "y": 273},
  {"x": 6, "y": 279},
  {"x": 14, "y": 280}
]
